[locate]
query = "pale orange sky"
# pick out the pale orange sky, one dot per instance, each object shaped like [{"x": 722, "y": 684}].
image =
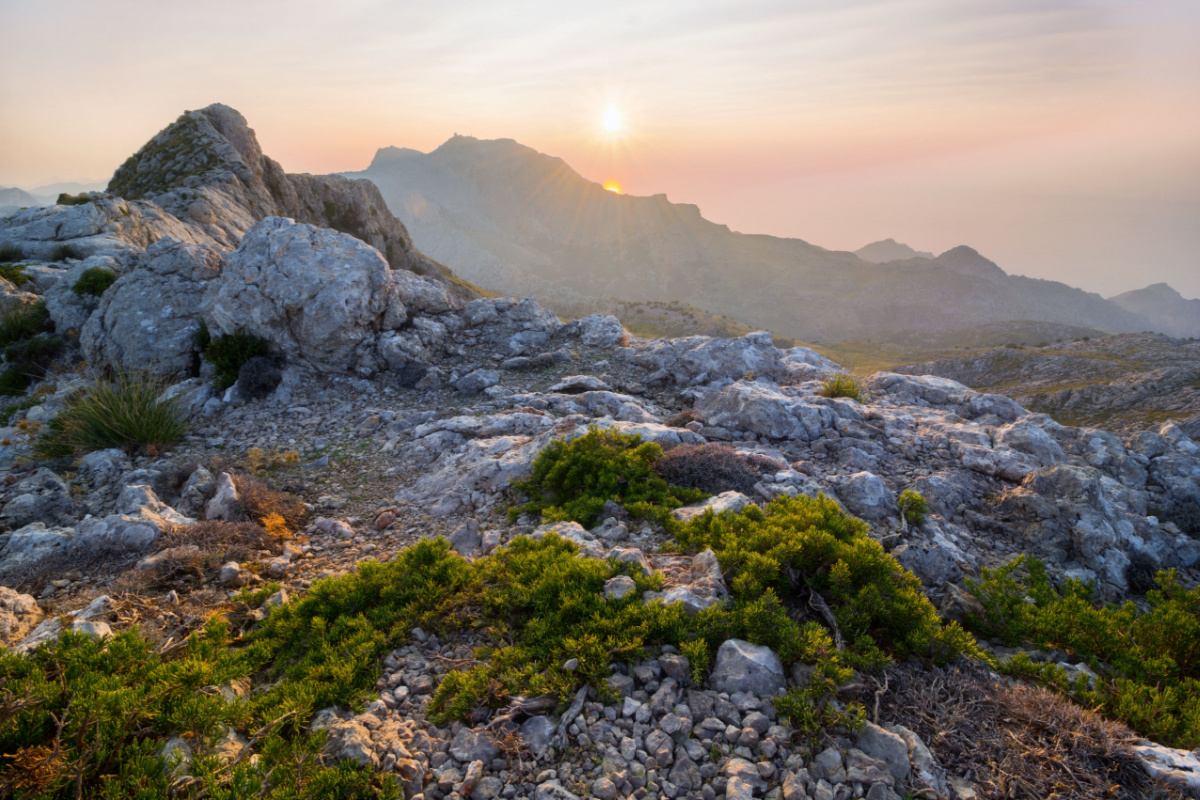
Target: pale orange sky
[{"x": 1060, "y": 139}]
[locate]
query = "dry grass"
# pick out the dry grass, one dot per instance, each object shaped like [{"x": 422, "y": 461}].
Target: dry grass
[
  {"x": 1017, "y": 742},
  {"x": 713, "y": 468},
  {"x": 259, "y": 501}
]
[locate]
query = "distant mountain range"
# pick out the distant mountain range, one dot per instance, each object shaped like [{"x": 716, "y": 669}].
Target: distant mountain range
[
  {"x": 517, "y": 221},
  {"x": 1167, "y": 308}
]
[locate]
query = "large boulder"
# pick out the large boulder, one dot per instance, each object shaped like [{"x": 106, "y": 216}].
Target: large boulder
[
  {"x": 149, "y": 318},
  {"x": 315, "y": 294}
]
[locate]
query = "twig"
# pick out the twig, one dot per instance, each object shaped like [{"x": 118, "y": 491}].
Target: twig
[
  {"x": 821, "y": 607},
  {"x": 878, "y": 694}
]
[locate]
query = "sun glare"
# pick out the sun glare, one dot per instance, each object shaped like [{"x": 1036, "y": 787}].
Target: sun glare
[
  {"x": 612, "y": 186},
  {"x": 612, "y": 120}
]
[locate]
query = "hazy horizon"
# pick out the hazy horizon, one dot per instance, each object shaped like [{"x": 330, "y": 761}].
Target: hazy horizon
[{"x": 1061, "y": 140}]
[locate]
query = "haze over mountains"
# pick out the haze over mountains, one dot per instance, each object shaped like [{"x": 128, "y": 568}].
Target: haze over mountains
[{"x": 517, "y": 221}]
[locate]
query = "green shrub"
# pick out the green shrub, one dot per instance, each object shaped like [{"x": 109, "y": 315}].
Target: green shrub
[
  {"x": 842, "y": 384},
  {"x": 228, "y": 352},
  {"x": 64, "y": 252},
  {"x": 1149, "y": 662},
  {"x": 10, "y": 253},
  {"x": 94, "y": 281},
  {"x": 85, "y": 717},
  {"x": 12, "y": 272},
  {"x": 573, "y": 480},
  {"x": 23, "y": 322},
  {"x": 802, "y": 544},
  {"x": 912, "y": 506},
  {"x": 127, "y": 411},
  {"x": 65, "y": 199}
]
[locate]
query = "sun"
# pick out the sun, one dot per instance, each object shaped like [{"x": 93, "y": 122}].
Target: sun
[
  {"x": 612, "y": 186},
  {"x": 613, "y": 120}
]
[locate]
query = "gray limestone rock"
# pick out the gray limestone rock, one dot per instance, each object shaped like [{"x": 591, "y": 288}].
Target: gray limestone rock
[
  {"x": 886, "y": 746},
  {"x": 866, "y": 495},
  {"x": 314, "y": 294},
  {"x": 149, "y": 318},
  {"x": 745, "y": 667},
  {"x": 768, "y": 410}
]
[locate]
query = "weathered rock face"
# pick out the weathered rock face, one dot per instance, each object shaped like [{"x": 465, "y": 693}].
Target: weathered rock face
[
  {"x": 700, "y": 360},
  {"x": 149, "y": 318},
  {"x": 110, "y": 225},
  {"x": 207, "y": 169},
  {"x": 769, "y": 410},
  {"x": 315, "y": 294}
]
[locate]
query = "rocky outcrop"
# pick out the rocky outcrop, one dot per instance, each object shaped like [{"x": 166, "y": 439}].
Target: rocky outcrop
[
  {"x": 1122, "y": 383},
  {"x": 316, "y": 295},
  {"x": 208, "y": 169}
]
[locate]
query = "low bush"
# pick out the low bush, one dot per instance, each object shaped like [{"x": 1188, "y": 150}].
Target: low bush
[
  {"x": 259, "y": 376},
  {"x": 711, "y": 468},
  {"x": 229, "y": 352},
  {"x": 87, "y": 718},
  {"x": 26, "y": 361},
  {"x": 66, "y": 199},
  {"x": 65, "y": 252},
  {"x": 822, "y": 563},
  {"x": 11, "y": 253},
  {"x": 94, "y": 281},
  {"x": 127, "y": 411},
  {"x": 1149, "y": 662},
  {"x": 842, "y": 384},
  {"x": 13, "y": 273},
  {"x": 912, "y": 506},
  {"x": 23, "y": 322},
  {"x": 573, "y": 480},
  {"x": 259, "y": 501}
]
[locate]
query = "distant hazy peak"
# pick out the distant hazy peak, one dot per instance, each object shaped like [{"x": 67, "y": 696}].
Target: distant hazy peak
[
  {"x": 889, "y": 250},
  {"x": 968, "y": 261},
  {"x": 1154, "y": 293},
  {"x": 16, "y": 197},
  {"x": 386, "y": 155}
]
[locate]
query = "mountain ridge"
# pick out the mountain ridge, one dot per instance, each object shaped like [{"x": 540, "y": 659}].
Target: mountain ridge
[{"x": 522, "y": 222}]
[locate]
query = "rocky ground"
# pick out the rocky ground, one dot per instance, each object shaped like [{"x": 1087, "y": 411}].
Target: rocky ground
[
  {"x": 1124, "y": 383},
  {"x": 395, "y": 410}
]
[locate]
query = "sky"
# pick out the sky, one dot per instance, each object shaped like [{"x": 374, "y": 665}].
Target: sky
[{"x": 1060, "y": 139}]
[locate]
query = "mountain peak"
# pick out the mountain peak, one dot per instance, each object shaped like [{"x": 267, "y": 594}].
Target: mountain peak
[
  {"x": 968, "y": 261},
  {"x": 889, "y": 250},
  {"x": 213, "y": 145}
]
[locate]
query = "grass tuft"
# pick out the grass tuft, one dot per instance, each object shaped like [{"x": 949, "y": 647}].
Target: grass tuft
[
  {"x": 65, "y": 252},
  {"x": 12, "y": 272},
  {"x": 127, "y": 411},
  {"x": 23, "y": 322},
  {"x": 11, "y": 253},
  {"x": 843, "y": 384}
]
